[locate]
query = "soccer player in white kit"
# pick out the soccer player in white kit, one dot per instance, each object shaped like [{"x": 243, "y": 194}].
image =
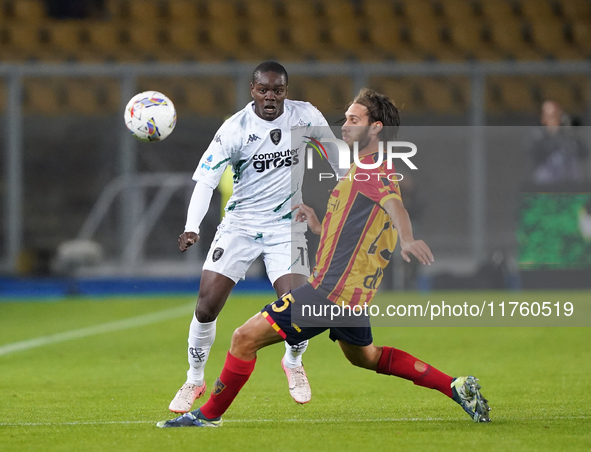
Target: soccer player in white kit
[{"x": 265, "y": 144}]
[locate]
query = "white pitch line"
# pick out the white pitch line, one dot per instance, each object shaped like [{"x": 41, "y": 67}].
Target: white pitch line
[
  {"x": 307, "y": 421},
  {"x": 25, "y": 424},
  {"x": 109, "y": 327}
]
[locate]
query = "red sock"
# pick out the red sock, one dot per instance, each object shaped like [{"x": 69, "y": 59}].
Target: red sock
[
  {"x": 401, "y": 364},
  {"x": 234, "y": 375}
]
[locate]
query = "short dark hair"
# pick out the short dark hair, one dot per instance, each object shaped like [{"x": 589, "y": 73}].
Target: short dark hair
[
  {"x": 380, "y": 108},
  {"x": 269, "y": 66}
]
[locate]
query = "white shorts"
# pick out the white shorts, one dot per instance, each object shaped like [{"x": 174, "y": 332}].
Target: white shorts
[{"x": 233, "y": 251}]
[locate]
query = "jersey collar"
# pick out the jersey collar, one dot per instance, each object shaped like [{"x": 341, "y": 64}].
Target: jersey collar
[{"x": 270, "y": 124}]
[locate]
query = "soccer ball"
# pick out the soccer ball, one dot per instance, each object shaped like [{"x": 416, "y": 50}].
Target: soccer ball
[{"x": 150, "y": 116}]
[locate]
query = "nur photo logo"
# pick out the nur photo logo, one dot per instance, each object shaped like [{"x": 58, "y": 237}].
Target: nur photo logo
[{"x": 389, "y": 150}]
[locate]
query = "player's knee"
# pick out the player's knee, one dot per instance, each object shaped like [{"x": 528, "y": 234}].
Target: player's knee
[
  {"x": 363, "y": 360},
  {"x": 243, "y": 340},
  {"x": 205, "y": 314},
  {"x": 208, "y": 307}
]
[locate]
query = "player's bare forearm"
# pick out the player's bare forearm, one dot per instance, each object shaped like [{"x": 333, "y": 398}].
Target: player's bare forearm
[
  {"x": 408, "y": 244},
  {"x": 400, "y": 218},
  {"x": 306, "y": 213},
  {"x": 186, "y": 239}
]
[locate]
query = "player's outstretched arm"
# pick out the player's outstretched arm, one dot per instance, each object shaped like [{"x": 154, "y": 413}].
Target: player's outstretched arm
[
  {"x": 408, "y": 244},
  {"x": 306, "y": 213}
]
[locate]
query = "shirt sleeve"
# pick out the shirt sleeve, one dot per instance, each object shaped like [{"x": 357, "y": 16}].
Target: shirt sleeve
[
  {"x": 198, "y": 206},
  {"x": 320, "y": 130},
  {"x": 381, "y": 184},
  {"x": 217, "y": 157}
]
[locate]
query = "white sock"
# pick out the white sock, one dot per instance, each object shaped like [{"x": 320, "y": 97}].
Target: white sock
[
  {"x": 293, "y": 354},
  {"x": 201, "y": 337}
]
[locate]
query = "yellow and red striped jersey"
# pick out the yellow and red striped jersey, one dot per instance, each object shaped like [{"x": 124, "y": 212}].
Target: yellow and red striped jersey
[{"x": 357, "y": 237}]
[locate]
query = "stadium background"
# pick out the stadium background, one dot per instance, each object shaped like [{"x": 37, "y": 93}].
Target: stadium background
[
  {"x": 467, "y": 75},
  {"x": 96, "y": 371}
]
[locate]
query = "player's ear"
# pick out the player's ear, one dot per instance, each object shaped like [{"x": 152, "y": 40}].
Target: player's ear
[
  {"x": 251, "y": 90},
  {"x": 376, "y": 127}
]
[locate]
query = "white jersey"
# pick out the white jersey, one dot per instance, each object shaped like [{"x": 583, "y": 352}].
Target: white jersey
[{"x": 268, "y": 162}]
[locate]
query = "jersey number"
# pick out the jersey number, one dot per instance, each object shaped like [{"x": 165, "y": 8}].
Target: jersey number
[
  {"x": 286, "y": 299},
  {"x": 374, "y": 245},
  {"x": 303, "y": 259}
]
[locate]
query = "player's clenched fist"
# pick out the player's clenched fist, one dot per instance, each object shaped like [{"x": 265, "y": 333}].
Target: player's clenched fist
[{"x": 186, "y": 239}]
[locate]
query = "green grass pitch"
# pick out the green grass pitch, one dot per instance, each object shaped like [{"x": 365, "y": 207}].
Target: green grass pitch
[{"x": 103, "y": 387}]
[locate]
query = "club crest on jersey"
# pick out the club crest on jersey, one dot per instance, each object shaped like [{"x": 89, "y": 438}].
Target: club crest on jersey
[
  {"x": 217, "y": 253},
  {"x": 275, "y": 136}
]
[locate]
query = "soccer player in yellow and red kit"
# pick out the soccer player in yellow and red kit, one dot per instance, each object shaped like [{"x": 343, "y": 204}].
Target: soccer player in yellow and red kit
[{"x": 365, "y": 217}]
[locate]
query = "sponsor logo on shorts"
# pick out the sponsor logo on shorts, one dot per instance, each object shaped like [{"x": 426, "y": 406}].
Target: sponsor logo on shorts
[
  {"x": 218, "y": 387},
  {"x": 217, "y": 253}
]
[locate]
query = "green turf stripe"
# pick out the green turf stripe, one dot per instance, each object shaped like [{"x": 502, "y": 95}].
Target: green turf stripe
[{"x": 108, "y": 327}]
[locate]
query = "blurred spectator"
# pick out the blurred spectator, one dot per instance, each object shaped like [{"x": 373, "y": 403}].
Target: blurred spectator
[
  {"x": 75, "y": 9},
  {"x": 557, "y": 156}
]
